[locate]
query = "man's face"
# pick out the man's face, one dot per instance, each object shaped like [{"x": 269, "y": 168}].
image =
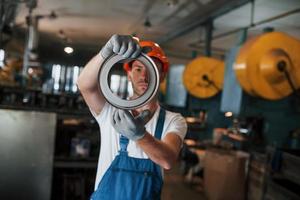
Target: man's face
[{"x": 139, "y": 77}]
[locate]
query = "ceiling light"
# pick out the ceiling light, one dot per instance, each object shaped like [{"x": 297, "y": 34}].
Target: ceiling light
[
  {"x": 68, "y": 50},
  {"x": 30, "y": 71},
  {"x": 228, "y": 114}
]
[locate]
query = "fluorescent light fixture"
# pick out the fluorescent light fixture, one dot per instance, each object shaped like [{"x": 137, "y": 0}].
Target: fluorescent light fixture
[
  {"x": 75, "y": 77},
  {"x": 193, "y": 120},
  {"x": 68, "y": 50},
  {"x": 244, "y": 130},
  {"x": 2, "y": 57},
  {"x": 56, "y": 75}
]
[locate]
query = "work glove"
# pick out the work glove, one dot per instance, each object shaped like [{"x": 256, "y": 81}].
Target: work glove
[
  {"x": 131, "y": 127},
  {"x": 123, "y": 45}
]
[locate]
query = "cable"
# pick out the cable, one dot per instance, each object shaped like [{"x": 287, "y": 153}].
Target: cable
[
  {"x": 210, "y": 82},
  {"x": 281, "y": 66}
]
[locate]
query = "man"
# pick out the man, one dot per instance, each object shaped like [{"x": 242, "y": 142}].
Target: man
[{"x": 135, "y": 145}]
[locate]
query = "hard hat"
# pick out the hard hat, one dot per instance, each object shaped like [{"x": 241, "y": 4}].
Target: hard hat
[{"x": 155, "y": 52}]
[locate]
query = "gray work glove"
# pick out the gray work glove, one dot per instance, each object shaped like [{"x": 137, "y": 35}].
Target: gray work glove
[
  {"x": 123, "y": 45},
  {"x": 131, "y": 127}
]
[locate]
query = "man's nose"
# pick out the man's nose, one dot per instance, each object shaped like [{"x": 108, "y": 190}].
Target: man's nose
[{"x": 144, "y": 75}]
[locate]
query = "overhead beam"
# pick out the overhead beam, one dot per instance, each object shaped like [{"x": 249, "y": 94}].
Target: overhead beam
[
  {"x": 177, "y": 32},
  {"x": 208, "y": 37},
  {"x": 251, "y": 25}
]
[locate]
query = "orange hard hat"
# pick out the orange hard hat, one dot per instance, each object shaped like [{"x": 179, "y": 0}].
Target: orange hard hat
[{"x": 154, "y": 52}]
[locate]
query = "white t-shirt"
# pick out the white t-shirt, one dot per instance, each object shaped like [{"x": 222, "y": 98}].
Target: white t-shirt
[{"x": 174, "y": 123}]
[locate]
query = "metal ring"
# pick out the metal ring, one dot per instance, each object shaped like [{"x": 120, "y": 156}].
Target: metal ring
[{"x": 153, "y": 83}]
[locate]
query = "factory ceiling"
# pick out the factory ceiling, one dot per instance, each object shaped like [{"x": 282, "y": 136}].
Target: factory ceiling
[{"x": 178, "y": 25}]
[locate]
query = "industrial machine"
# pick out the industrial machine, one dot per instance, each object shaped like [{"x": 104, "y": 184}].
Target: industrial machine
[
  {"x": 203, "y": 77},
  {"x": 268, "y": 66}
]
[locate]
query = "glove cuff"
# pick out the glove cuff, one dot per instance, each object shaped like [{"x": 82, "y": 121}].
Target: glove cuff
[
  {"x": 140, "y": 135},
  {"x": 100, "y": 55}
]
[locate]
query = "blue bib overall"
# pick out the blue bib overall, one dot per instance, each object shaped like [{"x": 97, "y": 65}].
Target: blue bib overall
[{"x": 129, "y": 178}]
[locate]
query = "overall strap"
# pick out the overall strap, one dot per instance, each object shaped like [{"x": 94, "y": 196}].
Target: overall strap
[
  {"x": 160, "y": 123},
  {"x": 123, "y": 143},
  {"x": 158, "y": 131}
]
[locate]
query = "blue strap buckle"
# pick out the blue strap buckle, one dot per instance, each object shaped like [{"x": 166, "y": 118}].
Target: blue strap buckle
[{"x": 123, "y": 143}]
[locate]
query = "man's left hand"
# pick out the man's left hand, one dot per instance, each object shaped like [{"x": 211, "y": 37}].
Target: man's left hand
[{"x": 131, "y": 127}]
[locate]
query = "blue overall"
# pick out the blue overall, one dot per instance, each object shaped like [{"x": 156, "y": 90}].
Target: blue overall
[{"x": 129, "y": 178}]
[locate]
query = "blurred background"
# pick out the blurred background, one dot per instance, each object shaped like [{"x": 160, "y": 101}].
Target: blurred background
[{"x": 234, "y": 76}]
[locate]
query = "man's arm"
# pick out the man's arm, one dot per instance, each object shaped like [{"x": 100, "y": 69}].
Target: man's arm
[
  {"x": 88, "y": 84},
  {"x": 163, "y": 153}
]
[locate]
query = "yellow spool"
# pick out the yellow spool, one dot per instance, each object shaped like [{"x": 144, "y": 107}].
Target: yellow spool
[
  {"x": 203, "y": 77},
  {"x": 257, "y": 65}
]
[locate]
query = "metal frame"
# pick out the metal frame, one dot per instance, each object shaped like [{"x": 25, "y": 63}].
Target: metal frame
[{"x": 251, "y": 25}]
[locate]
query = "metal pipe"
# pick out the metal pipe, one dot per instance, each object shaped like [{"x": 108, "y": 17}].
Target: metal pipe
[
  {"x": 249, "y": 26},
  {"x": 252, "y": 12},
  {"x": 297, "y": 10},
  {"x": 144, "y": 14},
  {"x": 30, "y": 52},
  {"x": 208, "y": 38},
  {"x": 216, "y": 52},
  {"x": 173, "y": 34},
  {"x": 33, "y": 35},
  {"x": 173, "y": 14}
]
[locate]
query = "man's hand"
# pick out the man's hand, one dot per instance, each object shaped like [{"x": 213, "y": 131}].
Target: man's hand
[
  {"x": 124, "y": 45},
  {"x": 131, "y": 127}
]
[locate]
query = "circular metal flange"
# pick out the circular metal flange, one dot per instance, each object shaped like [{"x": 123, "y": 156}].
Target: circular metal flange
[{"x": 114, "y": 100}]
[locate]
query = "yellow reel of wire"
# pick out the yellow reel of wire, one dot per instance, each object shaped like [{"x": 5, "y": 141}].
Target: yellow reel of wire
[
  {"x": 268, "y": 66},
  {"x": 203, "y": 77}
]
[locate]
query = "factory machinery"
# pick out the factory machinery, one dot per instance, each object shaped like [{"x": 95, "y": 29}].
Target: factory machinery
[
  {"x": 252, "y": 103},
  {"x": 263, "y": 71}
]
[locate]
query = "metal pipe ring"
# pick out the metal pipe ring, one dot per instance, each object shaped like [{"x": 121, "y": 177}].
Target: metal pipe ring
[{"x": 113, "y": 99}]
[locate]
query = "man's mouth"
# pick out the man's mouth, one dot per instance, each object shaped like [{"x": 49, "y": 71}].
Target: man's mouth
[{"x": 143, "y": 84}]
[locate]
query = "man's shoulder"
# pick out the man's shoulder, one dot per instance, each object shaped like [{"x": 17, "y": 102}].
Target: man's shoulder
[{"x": 172, "y": 115}]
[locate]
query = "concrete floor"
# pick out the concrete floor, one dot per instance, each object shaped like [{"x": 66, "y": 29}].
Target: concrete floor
[{"x": 176, "y": 189}]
